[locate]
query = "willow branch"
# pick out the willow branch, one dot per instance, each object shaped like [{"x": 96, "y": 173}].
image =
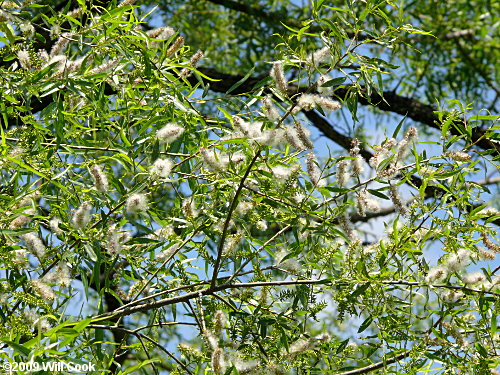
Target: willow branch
[
  {"x": 141, "y": 336},
  {"x": 377, "y": 365},
  {"x": 234, "y": 202}
]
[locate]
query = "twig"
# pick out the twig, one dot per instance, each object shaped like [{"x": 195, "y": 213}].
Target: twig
[
  {"x": 234, "y": 202},
  {"x": 141, "y": 335}
]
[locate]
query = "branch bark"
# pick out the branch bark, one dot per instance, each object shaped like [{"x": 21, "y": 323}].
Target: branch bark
[{"x": 389, "y": 102}]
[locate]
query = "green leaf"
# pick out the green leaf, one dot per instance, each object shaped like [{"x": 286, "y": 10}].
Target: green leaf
[
  {"x": 334, "y": 82},
  {"x": 360, "y": 290},
  {"x": 240, "y": 82},
  {"x": 398, "y": 128},
  {"x": 365, "y": 324},
  {"x": 82, "y": 324},
  {"x": 378, "y": 194},
  {"x": 342, "y": 346},
  {"x": 18, "y": 348}
]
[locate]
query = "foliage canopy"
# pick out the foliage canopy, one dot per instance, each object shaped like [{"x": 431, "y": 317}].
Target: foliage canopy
[{"x": 255, "y": 187}]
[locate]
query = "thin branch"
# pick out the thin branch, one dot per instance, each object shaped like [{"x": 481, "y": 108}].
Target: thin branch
[
  {"x": 256, "y": 252},
  {"x": 220, "y": 248},
  {"x": 377, "y": 365},
  {"x": 217, "y": 288},
  {"x": 141, "y": 335},
  {"x": 90, "y": 148},
  {"x": 204, "y": 292}
]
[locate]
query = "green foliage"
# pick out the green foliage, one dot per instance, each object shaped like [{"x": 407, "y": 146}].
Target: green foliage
[{"x": 170, "y": 211}]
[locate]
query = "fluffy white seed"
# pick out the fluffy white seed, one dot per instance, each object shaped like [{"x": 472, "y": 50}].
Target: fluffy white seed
[{"x": 137, "y": 203}]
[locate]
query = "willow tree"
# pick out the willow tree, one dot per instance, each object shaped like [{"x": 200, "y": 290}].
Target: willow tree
[{"x": 253, "y": 187}]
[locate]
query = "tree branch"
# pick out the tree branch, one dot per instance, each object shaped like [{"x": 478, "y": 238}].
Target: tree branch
[
  {"x": 377, "y": 365},
  {"x": 124, "y": 331},
  {"x": 220, "y": 248},
  {"x": 211, "y": 290},
  {"x": 390, "y": 102}
]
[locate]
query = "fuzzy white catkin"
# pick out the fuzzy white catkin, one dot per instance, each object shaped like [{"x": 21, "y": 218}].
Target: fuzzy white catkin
[
  {"x": 113, "y": 243},
  {"x": 292, "y": 137},
  {"x": 261, "y": 225},
  {"x": 61, "y": 275},
  {"x": 382, "y": 153},
  {"x": 436, "y": 274},
  {"x": 195, "y": 59},
  {"x": 278, "y": 75},
  {"x": 167, "y": 254},
  {"x": 81, "y": 217},
  {"x": 457, "y": 262},
  {"x": 24, "y": 59},
  {"x": 169, "y": 133},
  {"x": 231, "y": 244},
  {"x": 404, "y": 144},
  {"x": 304, "y": 135},
  {"x": 281, "y": 173},
  {"x": 364, "y": 203},
  {"x": 269, "y": 109},
  {"x": 210, "y": 339},
  {"x": 210, "y": 160},
  {"x": 308, "y": 102},
  {"x": 125, "y": 3},
  {"x": 357, "y": 165},
  {"x": 314, "y": 171},
  {"x": 244, "y": 367},
  {"x": 219, "y": 161},
  {"x": 486, "y": 255},
  {"x": 218, "y": 361},
  {"x": 459, "y": 156},
  {"x": 220, "y": 322},
  {"x": 320, "y": 56},
  {"x": 43, "y": 290},
  {"x": 247, "y": 129},
  {"x": 104, "y": 67},
  {"x": 34, "y": 244},
  {"x": 473, "y": 278},
  {"x": 342, "y": 173},
  {"x": 20, "y": 257},
  {"x": 305, "y": 102},
  {"x": 489, "y": 243},
  {"x": 54, "y": 225},
  {"x": 396, "y": 199},
  {"x": 161, "y": 33},
  {"x": 327, "y": 103},
  {"x": 161, "y": 168},
  {"x": 272, "y": 137},
  {"x": 322, "y": 90},
  {"x": 176, "y": 46},
  {"x": 60, "y": 44},
  {"x": 22, "y": 220},
  {"x": 100, "y": 179},
  {"x": 137, "y": 203}
]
